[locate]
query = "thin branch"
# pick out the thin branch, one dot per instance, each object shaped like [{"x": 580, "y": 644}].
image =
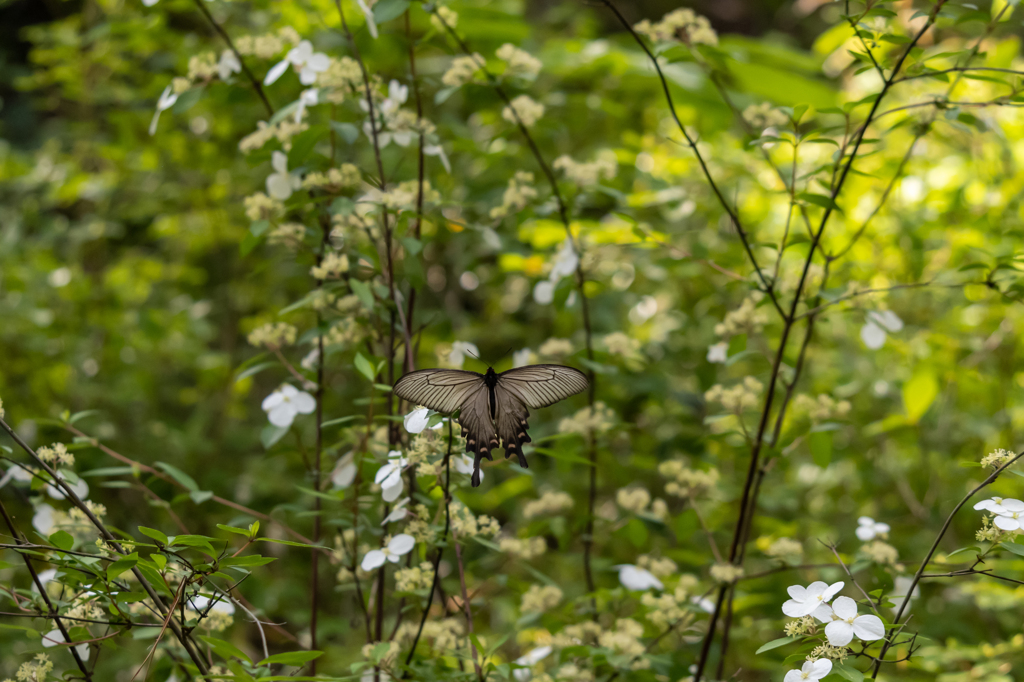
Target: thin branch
[{"x": 856, "y": 584}]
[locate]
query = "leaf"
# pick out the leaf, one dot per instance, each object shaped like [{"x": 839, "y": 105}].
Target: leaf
[
  {"x": 364, "y": 292},
  {"x": 225, "y": 649},
  {"x": 232, "y": 529},
  {"x": 341, "y": 420},
  {"x": 919, "y": 393},
  {"x": 364, "y": 367},
  {"x": 121, "y": 565},
  {"x": 291, "y": 543},
  {"x": 1013, "y": 548},
  {"x": 386, "y": 10},
  {"x": 292, "y": 658},
  {"x": 848, "y": 673},
  {"x": 247, "y": 561},
  {"x": 271, "y": 434},
  {"x": 178, "y": 475},
  {"x": 81, "y": 415},
  {"x": 153, "y": 533},
  {"x": 62, "y": 540},
  {"x": 776, "y": 643},
  {"x": 200, "y": 496},
  {"x": 818, "y": 200},
  {"x": 821, "y": 447},
  {"x": 255, "y": 369},
  {"x": 347, "y": 131},
  {"x": 962, "y": 550}
]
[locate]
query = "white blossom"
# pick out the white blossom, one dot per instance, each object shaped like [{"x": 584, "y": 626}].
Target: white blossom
[
  {"x": 636, "y": 578},
  {"x": 308, "y": 98},
  {"x": 811, "y": 670},
  {"x": 399, "y": 546},
  {"x": 80, "y": 488},
  {"x": 566, "y": 261},
  {"x": 874, "y": 332},
  {"x": 302, "y": 59},
  {"x": 460, "y": 349},
  {"x": 281, "y": 183},
  {"x": 389, "y": 476},
  {"x": 1009, "y": 513},
  {"x": 344, "y": 472},
  {"x": 532, "y": 657},
  {"x": 868, "y": 528},
  {"x": 371, "y": 23},
  {"x": 166, "y": 101},
  {"x": 521, "y": 358},
  {"x": 284, "y": 404},
  {"x": 438, "y": 151},
  {"x": 848, "y": 624},
  {"x": 718, "y": 352},
  {"x": 398, "y": 513},
  {"x": 223, "y": 605},
  {"x": 42, "y": 519},
  {"x": 464, "y": 465},
  {"x": 417, "y": 420},
  {"x": 228, "y": 65},
  {"x": 806, "y": 599},
  {"x": 544, "y": 292}
]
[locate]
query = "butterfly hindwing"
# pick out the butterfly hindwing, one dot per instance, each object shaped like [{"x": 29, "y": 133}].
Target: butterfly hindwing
[
  {"x": 478, "y": 428},
  {"x": 512, "y": 424}
]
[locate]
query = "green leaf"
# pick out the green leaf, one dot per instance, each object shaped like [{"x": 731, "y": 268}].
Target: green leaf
[
  {"x": 232, "y": 529},
  {"x": 292, "y": 658},
  {"x": 200, "y": 496},
  {"x": 341, "y": 420},
  {"x": 962, "y": 550},
  {"x": 62, "y": 540},
  {"x": 849, "y": 673},
  {"x": 821, "y": 447},
  {"x": 178, "y": 475},
  {"x": 919, "y": 393},
  {"x": 153, "y": 533},
  {"x": 776, "y": 643},
  {"x": 386, "y": 10},
  {"x": 347, "y": 131},
  {"x": 291, "y": 543},
  {"x": 1013, "y": 548},
  {"x": 224, "y": 649},
  {"x": 271, "y": 434},
  {"x": 121, "y": 565},
  {"x": 365, "y": 368},
  {"x": 247, "y": 561},
  {"x": 255, "y": 369}
]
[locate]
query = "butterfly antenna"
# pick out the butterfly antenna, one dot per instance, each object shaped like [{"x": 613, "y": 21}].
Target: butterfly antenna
[{"x": 466, "y": 350}]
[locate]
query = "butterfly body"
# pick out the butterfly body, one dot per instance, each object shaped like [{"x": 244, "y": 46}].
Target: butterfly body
[{"x": 494, "y": 406}]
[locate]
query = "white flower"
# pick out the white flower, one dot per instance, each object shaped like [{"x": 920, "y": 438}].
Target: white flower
[
  {"x": 532, "y": 657},
  {"x": 521, "y": 358},
  {"x": 464, "y": 465},
  {"x": 886, "y": 319},
  {"x": 874, "y": 332},
  {"x": 399, "y": 546},
  {"x": 149, "y": 3},
  {"x": 81, "y": 489},
  {"x": 228, "y": 65},
  {"x": 304, "y": 60},
  {"x": 460, "y": 349},
  {"x": 848, "y": 624},
  {"x": 566, "y": 261},
  {"x": 308, "y": 98},
  {"x": 285, "y": 403},
  {"x": 371, "y": 23},
  {"x": 166, "y": 101},
  {"x": 703, "y": 603},
  {"x": 636, "y": 578},
  {"x": 281, "y": 183},
  {"x": 544, "y": 292},
  {"x": 398, "y": 513},
  {"x": 868, "y": 528},
  {"x": 54, "y": 637},
  {"x": 806, "y": 599},
  {"x": 438, "y": 150},
  {"x": 201, "y": 602},
  {"x": 344, "y": 472},
  {"x": 811, "y": 670},
  {"x": 389, "y": 476},
  {"x": 42, "y": 520},
  {"x": 417, "y": 420},
  {"x": 397, "y": 96},
  {"x": 1009, "y": 513},
  {"x": 872, "y": 335},
  {"x": 718, "y": 352}
]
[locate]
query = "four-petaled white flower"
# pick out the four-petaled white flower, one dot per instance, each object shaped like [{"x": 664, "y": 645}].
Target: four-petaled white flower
[
  {"x": 389, "y": 476},
  {"x": 228, "y": 65},
  {"x": 398, "y": 513},
  {"x": 55, "y": 637},
  {"x": 868, "y": 528},
  {"x": 806, "y": 599},
  {"x": 305, "y": 61},
  {"x": 464, "y": 465},
  {"x": 460, "y": 349},
  {"x": 636, "y": 578},
  {"x": 848, "y": 624},
  {"x": 873, "y": 333},
  {"x": 222, "y": 605},
  {"x": 344, "y": 472},
  {"x": 308, "y": 98},
  {"x": 417, "y": 421},
  {"x": 532, "y": 657},
  {"x": 166, "y": 101},
  {"x": 285, "y": 403},
  {"x": 80, "y": 488},
  {"x": 718, "y": 352},
  {"x": 281, "y": 183},
  {"x": 1009, "y": 513},
  {"x": 811, "y": 670},
  {"x": 399, "y": 546}
]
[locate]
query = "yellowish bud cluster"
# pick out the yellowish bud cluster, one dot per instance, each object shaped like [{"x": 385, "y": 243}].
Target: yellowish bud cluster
[
  {"x": 332, "y": 266},
  {"x": 443, "y": 635},
  {"x": 662, "y": 567},
  {"x": 683, "y": 25},
  {"x": 539, "y": 599},
  {"x": 261, "y": 207},
  {"x": 686, "y": 482},
  {"x": 598, "y": 419},
  {"x": 822, "y": 408},
  {"x": 764, "y": 115},
  {"x": 56, "y": 455},
  {"x": 835, "y": 653},
  {"x": 449, "y": 17},
  {"x": 524, "y": 548},
  {"x": 467, "y": 525},
  {"x": 289, "y": 235},
  {"x": 550, "y": 503},
  {"x": 801, "y": 626},
  {"x": 625, "y": 639},
  {"x": 880, "y": 552},
  {"x": 589, "y": 173},
  {"x": 740, "y": 397},
  {"x": 462, "y": 70},
  {"x": 783, "y": 548},
  {"x": 993, "y": 460},
  {"x": 518, "y": 194},
  {"x": 335, "y": 179},
  {"x": 273, "y": 335},
  {"x": 726, "y": 573},
  {"x": 747, "y": 319},
  {"x": 284, "y": 130},
  {"x": 620, "y": 343},
  {"x": 523, "y": 110},
  {"x": 345, "y": 332},
  {"x": 415, "y": 578},
  {"x": 518, "y": 61},
  {"x": 633, "y": 499}
]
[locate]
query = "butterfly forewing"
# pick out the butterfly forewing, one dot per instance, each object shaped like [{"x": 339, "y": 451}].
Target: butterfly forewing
[
  {"x": 442, "y": 390},
  {"x": 542, "y": 385}
]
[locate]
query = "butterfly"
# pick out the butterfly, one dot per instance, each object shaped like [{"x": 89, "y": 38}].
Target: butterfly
[{"x": 493, "y": 407}]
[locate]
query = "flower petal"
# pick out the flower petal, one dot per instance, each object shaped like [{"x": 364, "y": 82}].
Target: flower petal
[
  {"x": 832, "y": 591},
  {"x": 872, "y": 335},
  {"x": 373, "y": 559},
  {"x": 797, "y": 609},
  {"x": 402, "y": 544},
  {"x": 865, "y": 533},
  {"x": 818, "y": 668},
  {"x": 839, "y": 633},
  {"x": 845, "y": 608},
  {"x": 868, "y": 627},
  {"x": 793, "y": 676},
  {"x": 390, "y": 494},
  {"x": 798, "y": 592},
  {"x": 1013, "y": 505},
  {"x": 1006, "y": 523},
  {"x": 276, "y": 71},
  {"x": 416, "y": 421},
  {"x": 304, "y": 403},
  {"x": 824, "y": 613}
]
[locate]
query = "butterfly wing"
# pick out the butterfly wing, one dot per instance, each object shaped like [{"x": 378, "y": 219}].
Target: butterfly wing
[
  {"x": 511, "y": 423},
  {"x": 478, "y": 428},
  {"x": 442, "y": 390},
  {"x": 542, "y": 385}
]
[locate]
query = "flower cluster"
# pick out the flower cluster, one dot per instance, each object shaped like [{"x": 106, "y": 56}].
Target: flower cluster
[
  {"x": 726, "y": 573},
  {"x": 283, "y": 131},
  {"x": 687, "y": 482},
  {"x": 414, "y": 578},
  {"x": 467, "y": 525},
  {"x": 261, "y": 207},
  {"x": 565, "y": 263},
  {"x": 56, "y": 455},
  {"x": 1007, "y": 513},
  {"x": 518, "y": 194},
  {"x": 462, "y": 70},
  {"x": 738, "y": 398},
  {"x": 634, "y": 499},
  {"x": 524, "y": 548},
  {"x": 540, "y": 599},
  {"x": 589, "y": 173},
  {"x": 332, "y": 266},
  {"x": 823, "y": 408},
  {"x": 783, "y": 548},
  {"x": 598, "y": 419},
  {"x": 552, "y": 502},
  {"x": 997, "y": 458},
  {"x": 764, "y": 115},
  {"x": 523, "y": 109},
  {"x": 518, "y": 62},
  {"x": 747, "y": 319},
  {"x": 682, "y": 25},
  {"x": 841, "y": 618}
]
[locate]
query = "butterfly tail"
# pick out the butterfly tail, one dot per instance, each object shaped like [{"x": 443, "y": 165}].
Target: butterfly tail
[{"x": 514, "y": 432}]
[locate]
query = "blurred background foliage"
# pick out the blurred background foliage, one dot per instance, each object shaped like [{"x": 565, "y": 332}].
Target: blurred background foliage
[{"x": 123, "y": 289}]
